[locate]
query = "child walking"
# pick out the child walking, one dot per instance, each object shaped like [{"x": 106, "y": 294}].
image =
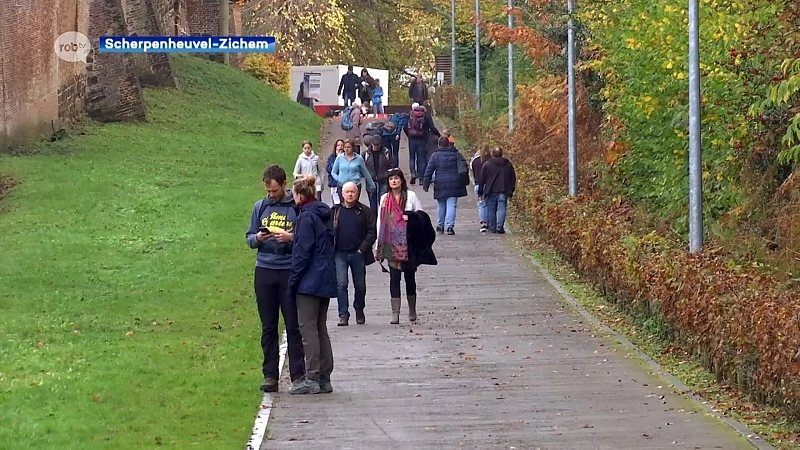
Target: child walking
[
  {"x": 377, "y": 98},
  {"x": 308, "y": 164}
]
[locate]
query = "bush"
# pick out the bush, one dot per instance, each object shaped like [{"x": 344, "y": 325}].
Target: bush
[{"x": 269, "y": 69}]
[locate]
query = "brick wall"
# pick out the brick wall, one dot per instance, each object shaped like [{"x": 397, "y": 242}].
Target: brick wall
[
  {"x": 203, "y": 17},
  {"x": 141, "y": 19},
  {"x": 37, "y": 90}
]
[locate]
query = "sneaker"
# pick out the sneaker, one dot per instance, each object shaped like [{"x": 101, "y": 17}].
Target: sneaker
[
  {"x": 325, "y": 387},
  {"x": 343, "y": 321},
  {"x": 269, "y": 385},
  {"x": 450, "y": 232},
  {"x": 484, "y": 227},
  {"x": 439, "y": 229},
  {"x": 413, "y": 180},
  {"x": 501, "y": 231},
  {"x": 306, "y": 386},
  {"x": 360, "y": 319}
]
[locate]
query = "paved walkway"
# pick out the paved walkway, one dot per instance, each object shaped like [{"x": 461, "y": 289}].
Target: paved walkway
[{"x": 496, "y": 360}]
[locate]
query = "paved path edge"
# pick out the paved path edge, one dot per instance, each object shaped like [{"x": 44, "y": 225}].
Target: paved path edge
[
  {"x": 265, "y": 407},
  {"x": 685, "y": 391}
]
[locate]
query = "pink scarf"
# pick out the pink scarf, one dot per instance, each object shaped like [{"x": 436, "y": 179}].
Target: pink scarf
[{"x": 393, "y": 244}]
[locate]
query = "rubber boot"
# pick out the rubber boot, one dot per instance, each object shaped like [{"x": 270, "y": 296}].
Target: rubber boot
[
  {"x": 395, "y": 311},
  {"x": 412, "y": 308}
]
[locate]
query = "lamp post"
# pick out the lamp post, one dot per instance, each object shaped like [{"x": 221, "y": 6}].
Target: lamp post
[
  {"x": 573, "y": 151},
  {"x": 510, "y": 70},
  {"x": 695, "y": 160},
  {"x": 477, "y": 54},
  {"x": 453, "y": 42}
]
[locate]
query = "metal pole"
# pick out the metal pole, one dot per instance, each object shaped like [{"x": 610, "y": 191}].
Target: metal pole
[
  {"x": 453, "y": 42},
  {"x": 224, "y": 21},
  {"x": 477, "y": 55},
  {"x": 511, "y": 86},
  {"x": 695, "y": 160},
  {"x": 573, "y": 152}
]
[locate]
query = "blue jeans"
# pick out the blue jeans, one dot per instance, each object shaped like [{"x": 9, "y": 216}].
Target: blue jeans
[
  {"x": 447, "y": 212},
  {"x": 496, "y": 211},
  {"x": 351, "y": 96},
  {"x": 481, "y": 207},
  {"x": 393, "y": 144},
  {"x": 376, "y": 197},
  {"x": 417, "y": 156},
  {"x": 354, "y": 261},
  {"x": 378, "y": 108}
]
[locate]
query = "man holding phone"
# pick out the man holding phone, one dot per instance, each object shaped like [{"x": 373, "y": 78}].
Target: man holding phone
[{"x": 271, "y": 226}]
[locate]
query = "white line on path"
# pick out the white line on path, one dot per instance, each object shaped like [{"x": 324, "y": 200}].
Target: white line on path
[{"x": 265, "y": 408}]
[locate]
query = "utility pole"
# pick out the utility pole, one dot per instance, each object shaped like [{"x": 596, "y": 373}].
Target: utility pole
[
  {"x": 511, "y": 87},
  {"x": 477, "y": 54},
  {"x": 453, "y": 42},
  {"x": 573, "y": 151},
  {"x": 224, "y": 20},
  {"x": 695, "y": 149}
]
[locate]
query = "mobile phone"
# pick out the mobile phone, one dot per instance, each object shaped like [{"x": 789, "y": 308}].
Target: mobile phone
[{"x": 264, "y": 230}]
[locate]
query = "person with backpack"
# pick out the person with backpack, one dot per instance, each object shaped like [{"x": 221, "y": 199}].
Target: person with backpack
[
  {"x": 419, "y": 125},
  {"x": 271, "y": 233},
  {"x": 351, "y": 124},
  {"x": 391, "y": 135},
  {"x": 348, "y": 86},
  {"x": 378, "y": 161},
  {"x": 308, "y": 164},
  {"x": 452, "y": 179}
]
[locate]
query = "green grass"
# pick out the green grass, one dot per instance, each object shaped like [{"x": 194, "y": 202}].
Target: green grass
[{"x": 128, "y": 317}]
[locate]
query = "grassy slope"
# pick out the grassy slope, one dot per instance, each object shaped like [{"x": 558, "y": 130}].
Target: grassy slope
[{"x": 140, "y": 228}]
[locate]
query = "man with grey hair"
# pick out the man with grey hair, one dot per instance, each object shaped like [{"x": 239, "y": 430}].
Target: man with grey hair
[
  {"x": 354, "y": 233},
  {"x": 496, "y": 185}
]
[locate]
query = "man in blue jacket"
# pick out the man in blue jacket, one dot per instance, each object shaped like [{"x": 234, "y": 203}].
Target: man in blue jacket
[{"x": 271, "y": 226}]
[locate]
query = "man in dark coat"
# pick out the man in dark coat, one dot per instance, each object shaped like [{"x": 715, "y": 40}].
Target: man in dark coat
[
  {"x": 349, "y": 84},
  {"x": 498, "y": 181},
  {"x": 418, "y": 91},
  {"x": 419, "y": 126},
  {"x": 355, "y": 232},
  {"x": 449, "y": 185}
]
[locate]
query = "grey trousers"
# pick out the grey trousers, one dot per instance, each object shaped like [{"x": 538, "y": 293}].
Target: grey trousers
[{"x": 312, "y": 312}]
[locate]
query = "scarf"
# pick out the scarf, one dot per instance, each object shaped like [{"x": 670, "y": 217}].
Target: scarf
[{"x": 393, "y": 242}]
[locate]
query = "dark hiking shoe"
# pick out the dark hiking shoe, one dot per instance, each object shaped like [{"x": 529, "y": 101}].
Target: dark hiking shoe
[
  {"x": 439, "y": 229},
  {"x": 269, "y": 385},
  {"x": 343, "y": 321},
  {"x": 325, "y": 387},
  {"x": 306, "y": 386},
  {"x": 450, "y": 232},
  {"x": 501, "y": 231},
  {"x": 413, "y": 180},
  {"x": 360, "y": 319}
]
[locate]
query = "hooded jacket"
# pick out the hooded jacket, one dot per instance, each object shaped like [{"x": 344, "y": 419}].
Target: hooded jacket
[
  {"x": 329, "y": 169},
  {"x": 271, "y": 253},
  {"x": 313, "y": 269},
  {"x": 308, "y": 165},
  {"x": 383, "y": 160},
  {"x": 497, "y": 177},
  {"x": 349, "y": 83},
  {"x": 444, "y": 162}
]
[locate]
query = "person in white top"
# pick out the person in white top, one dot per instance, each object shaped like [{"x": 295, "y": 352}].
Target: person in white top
[
  {"x": 392, "y": 243},
  {"x": 308, "y": 164}
]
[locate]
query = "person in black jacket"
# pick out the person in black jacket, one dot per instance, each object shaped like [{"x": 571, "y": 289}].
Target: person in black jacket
[
  {"x": 449, "y": 186},
  {"x": 419, "y": 126},
  {"x": 355, "y": 232},
  {"x": 348, "y": 86},
  {"x": 498, "y": 181}
]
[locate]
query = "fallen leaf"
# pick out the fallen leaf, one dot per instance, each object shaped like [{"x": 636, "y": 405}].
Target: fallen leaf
[{"x": 129, "y": 333}]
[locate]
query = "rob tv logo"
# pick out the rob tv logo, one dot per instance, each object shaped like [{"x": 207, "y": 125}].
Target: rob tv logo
[{"x": 72, "y": 46}]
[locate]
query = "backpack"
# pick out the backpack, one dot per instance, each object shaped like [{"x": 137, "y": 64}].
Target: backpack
[
  {"x": 463, "y": 171},
  {"x": 395, "y": 124},
  {"x": 417, "y": 128},
  {"x": 347, "y": 119},
  {"x": 375, "y": 127}
]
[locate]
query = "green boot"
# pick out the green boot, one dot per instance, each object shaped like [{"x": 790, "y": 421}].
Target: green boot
[{"x": 395, "y": 311}]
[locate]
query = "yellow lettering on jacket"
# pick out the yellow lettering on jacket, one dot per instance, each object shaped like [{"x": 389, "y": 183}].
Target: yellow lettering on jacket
[{"x": 277, "y": 222}]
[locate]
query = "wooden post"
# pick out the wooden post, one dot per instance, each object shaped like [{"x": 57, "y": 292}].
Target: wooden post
[{"x": 224, "y": 19}]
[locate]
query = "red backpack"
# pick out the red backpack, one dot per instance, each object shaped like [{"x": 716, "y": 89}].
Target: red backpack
[{"x": 417, "y": 126}]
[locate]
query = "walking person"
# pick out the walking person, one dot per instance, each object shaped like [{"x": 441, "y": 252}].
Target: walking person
[
  {"x": 366, "y": 86},
  {"x": 417, "y": 129},
  {"x": 354, "y": 234},
  {"x": 338, "y": 149},
  {"x": 308, "y": 164},
  {"x": 405, "y": 241},
  {"x": 353, "y": 132},
  {"x": 377, "y": 98},
  {"x": 312, "y": 281},
  {"x": 271, "y": 232},
  {"x": 391, "y": 135},
  {"x": 498, "y": 183},
  {"x": 418, "y": 91},
  {"x": 348, "y": 86},
  {"x": 476, "y": 163},
  {"x": 378, "y": 161},
  {"x": 446, "y": 163},
  {"x": 350, "y": 166}
]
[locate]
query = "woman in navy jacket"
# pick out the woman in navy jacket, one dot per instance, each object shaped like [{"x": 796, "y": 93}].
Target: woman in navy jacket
[{"x": 312, "y": 281}]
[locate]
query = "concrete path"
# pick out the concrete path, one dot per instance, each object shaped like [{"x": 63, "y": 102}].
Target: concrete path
[{"x": 496, "y": 360}]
